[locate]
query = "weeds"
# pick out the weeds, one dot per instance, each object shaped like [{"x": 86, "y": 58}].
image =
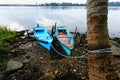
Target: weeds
[{"x": 5, "y": 34}]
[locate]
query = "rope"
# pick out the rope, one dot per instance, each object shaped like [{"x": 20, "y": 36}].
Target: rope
[
  {"x": 75, "y": 57},
  {"x": 98, "y": 51}
]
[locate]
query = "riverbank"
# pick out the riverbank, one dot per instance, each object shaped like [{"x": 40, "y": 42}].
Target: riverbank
[
  {"x": 38, "y": 64},
  {"x": 5, "y": 34}
]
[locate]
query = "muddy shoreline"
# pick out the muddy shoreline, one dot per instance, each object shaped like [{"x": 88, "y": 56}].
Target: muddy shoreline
[{"x": 40, "y": 64}]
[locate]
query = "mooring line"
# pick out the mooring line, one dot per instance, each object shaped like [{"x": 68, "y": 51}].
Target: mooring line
[{"x": 75, "y": 57}]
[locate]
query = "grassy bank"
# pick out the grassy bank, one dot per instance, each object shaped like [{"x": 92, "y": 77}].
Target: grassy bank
[{"x": 5, "y": 34}]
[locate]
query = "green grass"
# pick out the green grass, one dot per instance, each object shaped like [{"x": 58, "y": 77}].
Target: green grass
[
  {"x": 4, "y": 46},
  {"x": 5, "y": 34}
]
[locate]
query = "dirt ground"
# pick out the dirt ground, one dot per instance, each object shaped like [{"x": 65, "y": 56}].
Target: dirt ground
[{"x": 41, "y": 64}]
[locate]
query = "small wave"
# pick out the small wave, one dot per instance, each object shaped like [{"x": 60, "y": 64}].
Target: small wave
[{"x": 15, "y": 27}]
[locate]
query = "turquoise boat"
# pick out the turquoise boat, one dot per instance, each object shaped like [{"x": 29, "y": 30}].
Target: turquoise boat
[
  {"x": 43, "y": 36},
  {"x": 65, "y": 39}
]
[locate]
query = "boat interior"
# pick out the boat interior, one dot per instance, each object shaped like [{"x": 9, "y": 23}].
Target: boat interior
[
  {"x": 39, "y": 31},
  {"x": 62, "y": 32}
]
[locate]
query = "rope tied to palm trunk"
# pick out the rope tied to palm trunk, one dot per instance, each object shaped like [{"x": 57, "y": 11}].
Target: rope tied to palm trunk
[{"x": 98, "y": 51}]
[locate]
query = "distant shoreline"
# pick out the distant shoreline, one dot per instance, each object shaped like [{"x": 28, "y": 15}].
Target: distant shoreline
[
  {"x": 36, "y": 5},
  {"x": 58, "y": 4}
]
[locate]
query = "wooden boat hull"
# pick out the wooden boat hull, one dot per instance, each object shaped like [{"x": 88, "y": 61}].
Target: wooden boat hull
[
  {"x": 43, "y": 37},
  {"x": 65, "y": 39},
  {"x": 45, "y": 45},
  {"x": 66, "y": 49}
]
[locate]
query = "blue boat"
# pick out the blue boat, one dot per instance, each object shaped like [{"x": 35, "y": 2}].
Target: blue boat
[
  {"x": 65, "y": 39},
  {"x": 43, "y": 36}
]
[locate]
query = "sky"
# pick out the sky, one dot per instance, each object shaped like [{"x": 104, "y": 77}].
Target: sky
[{"x": 43, "y": 1}]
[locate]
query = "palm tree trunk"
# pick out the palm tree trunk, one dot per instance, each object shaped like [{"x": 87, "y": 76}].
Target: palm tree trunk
[{"x": 100, "y": 64}]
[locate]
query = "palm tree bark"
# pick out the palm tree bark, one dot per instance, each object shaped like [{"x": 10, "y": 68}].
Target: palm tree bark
[{"x": 100, "y": 64}]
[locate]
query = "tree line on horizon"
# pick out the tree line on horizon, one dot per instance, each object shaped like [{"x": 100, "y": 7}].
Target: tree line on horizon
[
  {"x": 76, "y": 4},
  {"x": 58, "y": 4}
]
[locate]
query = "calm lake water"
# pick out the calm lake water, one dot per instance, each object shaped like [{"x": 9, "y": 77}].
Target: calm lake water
[{"x": 19, "y": 18}]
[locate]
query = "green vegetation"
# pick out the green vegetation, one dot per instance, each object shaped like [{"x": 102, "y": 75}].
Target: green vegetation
[
  {"x": 76, "y": 4},
  {"x": 5, "y": 34},
  {"x": 62, "y": 4},
  {"x": 58, "y": 4},
  {"x": 114, "y": 4}
]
